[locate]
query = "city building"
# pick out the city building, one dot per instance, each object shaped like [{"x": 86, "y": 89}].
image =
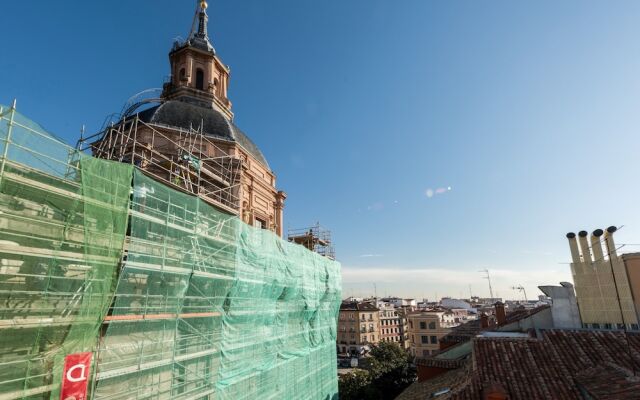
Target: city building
[
  {"x": 391, "y": 325},
  {"x": 358, "y": 328},
  {"x": 187, "y": 138},
  {"x": 399, "y": 302},
  {"x": 521, "y": 322},
  {"x": 607, "y": 285},
  {"x": 426, "y": 328},
  {"x": 404, "y": 326},
  {"x": 448, "y": 302}
]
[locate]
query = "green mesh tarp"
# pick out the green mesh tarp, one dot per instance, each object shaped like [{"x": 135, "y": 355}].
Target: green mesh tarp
[
  {"x": 209, "y": 307},
  {"x": 192, "y": 304},
  {"x": 63, "y": 220}
]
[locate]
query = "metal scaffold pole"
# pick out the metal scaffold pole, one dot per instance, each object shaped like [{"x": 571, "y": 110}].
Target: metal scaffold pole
[{"x": 7, "y": 141}]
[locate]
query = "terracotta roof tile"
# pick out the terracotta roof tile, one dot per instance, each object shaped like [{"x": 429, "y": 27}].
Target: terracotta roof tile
[{"x": 561, "y": 365}]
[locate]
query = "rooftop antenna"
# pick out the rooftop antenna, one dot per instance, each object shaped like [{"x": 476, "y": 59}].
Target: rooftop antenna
[
  {"x": 521, "y": 289},
  {"x": 375, "y": 294},
  {"x": 488, "y": 278}
]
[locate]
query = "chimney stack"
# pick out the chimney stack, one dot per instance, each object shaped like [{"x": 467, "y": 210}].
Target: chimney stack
[
  {"x": 573, "y": 245},
  {"x": 584, "y": 247},
  {"x": 484, "y": 321},
  {"x": 501, "y": 316},
  {"x": 611, "y": 245},
  {"x": 596, "y": 246}
]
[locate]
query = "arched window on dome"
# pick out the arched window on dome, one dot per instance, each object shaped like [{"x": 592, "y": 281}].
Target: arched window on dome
[
  {"x": 199, "y": 79},
  {"x": 183, "y": 74}
]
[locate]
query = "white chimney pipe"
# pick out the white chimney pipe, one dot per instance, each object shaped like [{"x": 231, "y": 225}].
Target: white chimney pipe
[
  {"x": 584, "y": 246},
  {"x": 611, "y": 245},
  {"x": 573, "y": 245},
  {"x": 596, "y": 246}
]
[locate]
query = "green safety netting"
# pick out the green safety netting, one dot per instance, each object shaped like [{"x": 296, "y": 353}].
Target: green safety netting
[
  {"x": 209, "y": 306},
  {"x": 193, "y": 304},
  {"x": 63, "y": 218}
]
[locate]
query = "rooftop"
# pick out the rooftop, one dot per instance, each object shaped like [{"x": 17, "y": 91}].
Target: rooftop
[
  {"x": 357, "y": 306},
  {"x": 562, "y": 365},
  {"x": 185, "y": 115},
  {"x": 468, "y": 330}
]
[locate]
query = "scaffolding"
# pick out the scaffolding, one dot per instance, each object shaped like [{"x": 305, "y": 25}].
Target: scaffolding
[
  {"x": 175, "y": 298},
  {"x": 315, "y": 238},
  {"x": 187, "y": 160}
]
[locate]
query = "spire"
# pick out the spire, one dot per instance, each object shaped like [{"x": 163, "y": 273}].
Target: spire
[
  {"x": 203, "y": 18},
  {"x": 199, "y": 37}
]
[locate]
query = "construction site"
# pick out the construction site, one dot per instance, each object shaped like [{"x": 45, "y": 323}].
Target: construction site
[
  {"x": 148, "y": 260},
  {"x": 173, "y": 295}
]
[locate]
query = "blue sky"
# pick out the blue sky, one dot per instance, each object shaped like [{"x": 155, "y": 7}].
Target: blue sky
[{"x": 434, "y": 139}]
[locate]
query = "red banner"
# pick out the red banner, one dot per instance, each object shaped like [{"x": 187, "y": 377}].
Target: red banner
[{"x": 75, "y": 377}]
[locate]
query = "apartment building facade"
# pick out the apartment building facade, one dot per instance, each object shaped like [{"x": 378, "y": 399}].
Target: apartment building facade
[
  {"x": 358, "y": 328},
  {"x": 426, "y": 328},
  {"x": 390, "y": 325}
]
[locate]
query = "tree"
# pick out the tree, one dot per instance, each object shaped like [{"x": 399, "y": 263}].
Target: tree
[
  {"x": 390, "y": 369},
  {"x": 352, "y": 386},
  {"x": 387, "y": 373}
]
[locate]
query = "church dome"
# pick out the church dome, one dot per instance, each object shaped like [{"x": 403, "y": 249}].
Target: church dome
[{"x": 185, "y": 115}]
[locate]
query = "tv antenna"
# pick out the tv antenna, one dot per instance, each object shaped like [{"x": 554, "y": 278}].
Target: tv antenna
[
  {"x": 520, "y": 288},
  {"x": 488, "y": 278}
]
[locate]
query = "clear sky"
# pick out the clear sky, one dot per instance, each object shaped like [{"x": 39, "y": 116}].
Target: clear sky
[{"x": 434, "y": 138}]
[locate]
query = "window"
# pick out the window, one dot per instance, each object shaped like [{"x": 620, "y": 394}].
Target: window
[
  {"x": 634, "y": 327},
  {"x": 258, "y": 223},
  {"x": 434, "y": 340},
  {"x": 607, "y": 326},
  {"x": 432, "y": 325},
  {"x": 183, "y": 74},
  {"x": 595, "y": 326},
  {"x": 423, "y": 325},
  {"x": 424, "y": 339},
  {"x": 199, "y": 79}
]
